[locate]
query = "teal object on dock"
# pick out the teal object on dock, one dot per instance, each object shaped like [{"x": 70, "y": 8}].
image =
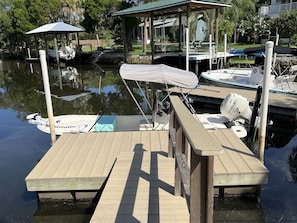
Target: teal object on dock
[{"x": 107, "y": 123}]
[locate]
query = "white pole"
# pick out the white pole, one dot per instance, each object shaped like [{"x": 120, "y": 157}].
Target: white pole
[
  {"x": 29, "y": 56},
  {"x": 58, "y": 62},
  {"x": 47, "y": 91},
  {"x": 187, "y": 48},
  {"x": 210, "y": 49},
  {"x": 265, "y": 96},
  {"x": 225, "y": 49},
  {"x": 276, "y": 43}
]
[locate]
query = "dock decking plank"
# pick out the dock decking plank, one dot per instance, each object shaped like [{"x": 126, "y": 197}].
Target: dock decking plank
[
  {"x": 147, "y": 198},
  {"x": 235, "y": 159},
  {"x": 47, "y": 160},
  {"x": 71, "y": 162},
  {"x": 91, "y": 158},
  {"x": 125, "y": 141},
  {"x": 103, "y": 149},
  {"x": 247, "y": 156},
  {"x": 107, "y": 155},
  {"x": 232, "y": 153}
]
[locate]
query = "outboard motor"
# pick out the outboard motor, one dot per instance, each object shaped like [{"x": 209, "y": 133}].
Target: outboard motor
[{"x": 235, "y": 106}]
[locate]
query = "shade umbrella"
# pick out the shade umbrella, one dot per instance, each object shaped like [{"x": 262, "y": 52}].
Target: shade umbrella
[{"x": 55, "y": 28}]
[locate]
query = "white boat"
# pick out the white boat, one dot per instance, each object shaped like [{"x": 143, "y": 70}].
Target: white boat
[
  {"x": 65, "y": 53},
  {"x": 251, "y": 78},
  {"x": 94, "y": 123},
  {"x": 159, "y": 119},
  {"x": 161, "y": 74}
]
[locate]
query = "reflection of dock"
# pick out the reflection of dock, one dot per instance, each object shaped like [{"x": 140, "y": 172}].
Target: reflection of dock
[{"x": 140, "y": 174}]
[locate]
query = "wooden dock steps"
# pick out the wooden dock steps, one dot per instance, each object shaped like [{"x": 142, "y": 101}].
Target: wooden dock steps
[{"x": 141, "y": 189}]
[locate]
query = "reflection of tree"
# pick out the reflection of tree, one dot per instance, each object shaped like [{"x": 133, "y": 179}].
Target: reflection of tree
[
  {"x": 115, "y": 103},
  {"x": 18, "y": 87},
  {"x": 20, "y": 91},
  {"x": 293, "y": 164}
]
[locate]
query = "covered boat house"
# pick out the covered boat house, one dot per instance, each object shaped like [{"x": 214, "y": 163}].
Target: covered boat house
[{"x": 166, "y": 8}]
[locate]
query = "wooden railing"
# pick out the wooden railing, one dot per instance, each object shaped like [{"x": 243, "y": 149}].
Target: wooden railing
[{"x": 194, "y": 150}]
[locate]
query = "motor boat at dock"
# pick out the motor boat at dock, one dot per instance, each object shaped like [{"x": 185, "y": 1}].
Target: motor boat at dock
[
  {"x": 233, "y": 108},
  {"x": 251, "y": 78}
]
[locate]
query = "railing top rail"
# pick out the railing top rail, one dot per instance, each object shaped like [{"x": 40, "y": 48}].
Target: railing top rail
[{"x": 202, "y": 142}]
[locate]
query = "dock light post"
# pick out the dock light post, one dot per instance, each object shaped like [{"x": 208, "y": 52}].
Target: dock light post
[
  {"x": 47, "y": 91},
  {"x": 265, "y": 96}
]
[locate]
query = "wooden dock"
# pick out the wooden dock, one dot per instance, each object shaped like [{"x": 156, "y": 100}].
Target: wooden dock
[
  {"x": 83, "y": 161},
  {"x": 140, "y": 175}
]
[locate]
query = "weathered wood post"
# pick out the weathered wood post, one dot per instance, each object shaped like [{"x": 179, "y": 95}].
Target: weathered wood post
[{"x": 194, "y": 180}]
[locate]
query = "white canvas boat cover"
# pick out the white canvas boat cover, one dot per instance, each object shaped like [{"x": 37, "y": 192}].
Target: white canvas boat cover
[
  {"x": 57, "y": 27},
  {"x": 159, "y": 73}
]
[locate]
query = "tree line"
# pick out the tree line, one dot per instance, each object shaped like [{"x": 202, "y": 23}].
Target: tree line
[{"x": 241, "y": 22}]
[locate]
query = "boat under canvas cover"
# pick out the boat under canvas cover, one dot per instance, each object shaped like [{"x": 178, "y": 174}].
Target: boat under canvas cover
[
  {"x": 159, "y": 73},
  {"x": 156, "y": 73}
]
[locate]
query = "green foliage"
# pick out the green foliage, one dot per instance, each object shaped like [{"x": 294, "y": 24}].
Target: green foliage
[
  {"x": 294, "y": 39},
  {"x": 20, "y": 16},
  {"x": 98, "y": 14},
  {"x": 43, "y": 11},
  {"x": 225, "y": 27},
  {"x": 254, "y": 27},
  {"x": 240, "y": 10},
  {"x": 286, "y": 23}
]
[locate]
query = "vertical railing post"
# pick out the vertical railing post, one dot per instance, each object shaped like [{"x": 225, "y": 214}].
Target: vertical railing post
[
  {"x": 201, "y": 188},
  {"x": 210, "y": 188},
  {"x": 171, "y": 144},
  {"x": 194, "y": 163},
  {"x": 178, "y": 149},
  {"x": 195, "y": 188}
]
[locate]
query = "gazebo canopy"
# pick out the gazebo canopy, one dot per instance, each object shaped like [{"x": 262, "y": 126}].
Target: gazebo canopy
[
  {"x": 55, "y": 28},
  {"x": 169, "y": 7}
]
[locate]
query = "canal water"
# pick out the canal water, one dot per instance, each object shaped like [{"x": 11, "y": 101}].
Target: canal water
[{"x": 90, "y": 89}]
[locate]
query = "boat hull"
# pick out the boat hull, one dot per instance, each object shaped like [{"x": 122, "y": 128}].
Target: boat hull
[
  {"x": 94, "y": 123},
  {"x": 242, "y": 81}
]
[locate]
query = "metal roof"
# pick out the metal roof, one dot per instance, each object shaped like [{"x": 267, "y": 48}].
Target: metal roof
[
  {"x": 57, "y": 27},
  {"x": 169, "y": 7}
]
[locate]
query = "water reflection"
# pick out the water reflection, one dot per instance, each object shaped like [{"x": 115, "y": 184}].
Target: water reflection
[
  {"x": 234, "y": 209},
  {"x": 293, "y": 164},
  {"x": 53, "y": 212},
  {"x": 77, "y": 90}
]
